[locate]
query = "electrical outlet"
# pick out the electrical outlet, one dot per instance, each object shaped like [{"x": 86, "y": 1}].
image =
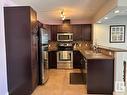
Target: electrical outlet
[{"x": 119, "y": 86}]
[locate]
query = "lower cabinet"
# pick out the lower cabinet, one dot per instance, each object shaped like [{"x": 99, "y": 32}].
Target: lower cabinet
[
  {"x": 52, "y": 61},
  {"x": 77, "y": 59},
  {"x": 100, "y": 73}
]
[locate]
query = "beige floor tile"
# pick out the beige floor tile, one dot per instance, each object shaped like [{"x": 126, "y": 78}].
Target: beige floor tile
[{"x": 58, "y": 84}]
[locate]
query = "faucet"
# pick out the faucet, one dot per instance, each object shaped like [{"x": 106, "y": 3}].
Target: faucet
[{"x": 95, "y": 48}]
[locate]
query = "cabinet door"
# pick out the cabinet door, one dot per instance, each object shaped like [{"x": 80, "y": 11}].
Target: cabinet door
[
  {"x": 65, "y": 28},
  {"x": 86, "y": 32},
  {"x": 52, "y": 60},
  {"x": 100, "y": 76},
  {"x": 76, "y": 60},
  {"x": 54, "y": 30},
  {"x": 77, "y": 32}
]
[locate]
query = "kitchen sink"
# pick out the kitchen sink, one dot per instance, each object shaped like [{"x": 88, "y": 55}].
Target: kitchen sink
[
  {"x": 97, "y": 54},
  {"x": 93, "y": 53}
]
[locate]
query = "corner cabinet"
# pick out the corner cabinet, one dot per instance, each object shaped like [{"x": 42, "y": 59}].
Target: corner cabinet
[
  {"x": 86, "y": 32},
  {"x": 21, "y": 49}
]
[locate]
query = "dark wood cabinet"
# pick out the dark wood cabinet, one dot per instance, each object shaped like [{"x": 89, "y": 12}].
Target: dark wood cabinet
[
  {"x": 77, "y": 56},
  {"x": 21, "y": 49},
  {"x": 65, "y": 27},
  {"x": 54, "y": 30},
  {"x": 52, "y": 59},
  {"x": 100, "y": 73},
  {"x": 86, "y": 32},
  {"x": 81, "y": 32},
  {"x": 77, "y": 32}
]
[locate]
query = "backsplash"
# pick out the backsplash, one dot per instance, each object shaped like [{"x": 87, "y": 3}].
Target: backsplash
[
  {"x": 80, "y": 45},
  {"x": 84, "y": 45},
  {"x": 52, "y": 46}
]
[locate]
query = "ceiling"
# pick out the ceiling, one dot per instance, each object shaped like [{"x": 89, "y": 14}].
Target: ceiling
[
  {"x": 115, "y": 18},
  {"x": 49, "y": 10}
]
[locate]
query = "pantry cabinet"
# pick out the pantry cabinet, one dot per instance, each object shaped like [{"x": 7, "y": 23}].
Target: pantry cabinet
[{"x": 21, "y": 49}]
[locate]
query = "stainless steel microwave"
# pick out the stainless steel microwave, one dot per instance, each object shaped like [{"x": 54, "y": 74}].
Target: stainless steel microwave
[{"x": 65, "y": 37}]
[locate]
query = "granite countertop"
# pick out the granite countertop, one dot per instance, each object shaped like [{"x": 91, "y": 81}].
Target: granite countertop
[
  {"x": 113, "y": 49},
  {"x": 88, "y": 54}
]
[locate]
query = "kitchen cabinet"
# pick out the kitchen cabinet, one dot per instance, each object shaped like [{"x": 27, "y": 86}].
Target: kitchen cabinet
[
  {"x": 54, "y": 30},
  {"x": 21, "y": 49},
  {"x": 77, "y": 32},
  {"x": 77, "y": 59},
  {"x": 100, "y": 73},
  {"x": 81, "y": 32},
  {"x": 86, "y": 32},
  {"x": 65, "y": 28},
  {"x": 52, "y": 59}
]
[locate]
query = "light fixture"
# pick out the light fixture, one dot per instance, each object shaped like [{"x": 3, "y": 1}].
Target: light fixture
[
  {"x": 117, "y": 11},
  {"x": 99, "y": 22},
  {"x": 62, "y": 15},
  {"x": 106, "y": 18}
]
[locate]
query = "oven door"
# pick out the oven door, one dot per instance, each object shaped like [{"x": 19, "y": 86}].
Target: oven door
[
  {"x": 65, "y": 59},
  {"x": 64, "y": 56}
]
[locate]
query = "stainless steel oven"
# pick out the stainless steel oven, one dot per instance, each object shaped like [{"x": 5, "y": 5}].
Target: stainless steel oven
[
  {"x": 65, "y": 59},
  {"x": 64, "y": 37}
]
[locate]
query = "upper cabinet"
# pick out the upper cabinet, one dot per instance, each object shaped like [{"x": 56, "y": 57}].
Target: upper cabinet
[
  {"x": 54, "y": 30},
  {"x": 81, "y": 32},
  {"x": 65, "y": 27},
  {"x": 87, "y": 32},
  {"x": 77, "y": 32}
]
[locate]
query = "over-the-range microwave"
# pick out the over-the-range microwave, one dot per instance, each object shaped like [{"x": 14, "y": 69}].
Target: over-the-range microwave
[{"x": 65, "y": 37}]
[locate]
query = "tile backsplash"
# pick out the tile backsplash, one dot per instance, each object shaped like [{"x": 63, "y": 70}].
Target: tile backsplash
[
  {"x": 52, "y": 46},
  {"x": 84, "y": 45},
  {"x": 80, "y": 45}
]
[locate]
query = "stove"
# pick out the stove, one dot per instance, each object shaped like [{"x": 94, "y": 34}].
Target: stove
[{"x": 65, "y": 55}]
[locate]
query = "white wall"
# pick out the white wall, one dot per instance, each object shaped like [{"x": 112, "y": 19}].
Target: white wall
[
  {"x": 3, "y": 71},
  {"x": 101, "y": 35}
]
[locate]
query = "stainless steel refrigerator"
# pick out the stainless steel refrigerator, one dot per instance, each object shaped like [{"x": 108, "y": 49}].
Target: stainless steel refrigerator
[{"x": 43, "y": 55}]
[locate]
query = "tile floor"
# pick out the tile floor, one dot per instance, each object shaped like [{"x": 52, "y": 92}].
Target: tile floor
[{"x": 58, "y": 84}]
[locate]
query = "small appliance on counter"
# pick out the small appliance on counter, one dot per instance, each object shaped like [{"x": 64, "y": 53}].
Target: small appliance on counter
[
  {"x": 65, "y": 51},
  {"x": 43, "y": 55}
]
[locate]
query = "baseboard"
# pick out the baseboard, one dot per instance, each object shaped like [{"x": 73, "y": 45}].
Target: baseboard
[
  {"x": 7, "y": 93},
  {"x": 118, "y": 93}
]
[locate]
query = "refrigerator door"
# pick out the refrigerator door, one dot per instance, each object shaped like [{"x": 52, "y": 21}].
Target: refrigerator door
[
  {"x": 44, "y": 64},
  {"x": 44, "y": 36}
]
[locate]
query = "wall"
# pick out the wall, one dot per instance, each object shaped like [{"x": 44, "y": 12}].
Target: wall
[
  {"x": 3, "y": 72},
  {"x": 3, "y": 69},
  {"x": 101, "y": 36}
]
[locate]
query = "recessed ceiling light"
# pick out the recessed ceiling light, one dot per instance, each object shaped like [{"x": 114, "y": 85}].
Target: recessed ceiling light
[
  {"x": 99, "y": 22},
  {"x": 117, "y": 11},
  {"x": 106, "y": 18}
]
